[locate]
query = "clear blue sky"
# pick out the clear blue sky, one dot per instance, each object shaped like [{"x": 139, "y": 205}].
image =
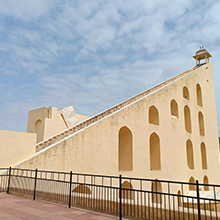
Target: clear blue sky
[{"x": 95, "y": 54}]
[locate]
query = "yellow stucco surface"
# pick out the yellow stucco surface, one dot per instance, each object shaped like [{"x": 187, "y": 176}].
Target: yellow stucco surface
[
  {"x": 95, "y": 148},
  {"x": 15, "y": 147}
]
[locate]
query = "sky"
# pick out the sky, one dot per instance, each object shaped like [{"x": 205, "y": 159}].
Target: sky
[{"x": 95, "y": 54}]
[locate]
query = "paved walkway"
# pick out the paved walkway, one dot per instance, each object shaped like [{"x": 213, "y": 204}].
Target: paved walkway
[{"x": 16, "y": 207}]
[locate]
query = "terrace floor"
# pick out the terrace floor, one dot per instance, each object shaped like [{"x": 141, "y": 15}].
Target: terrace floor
[{"x": 17, "y": 207}]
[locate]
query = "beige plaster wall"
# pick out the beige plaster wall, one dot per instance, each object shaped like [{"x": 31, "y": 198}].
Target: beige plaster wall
[
  {"x": 52, "y": 122},
  {"x": 95, "y": 148},
  {"x": 15, "y": 147},
  {"x": 82, "y": 117}
]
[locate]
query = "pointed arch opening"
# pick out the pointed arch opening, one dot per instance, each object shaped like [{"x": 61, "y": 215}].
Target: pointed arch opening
[
  {"x": 125, "y": 149},
  {"x": 199, "y": 94},
  {"x": 125, "y": 192},
  {"x": 174, "y": 108},
  {"x": 201, "y": 124},
  {"x": 185, "y": 93},
  {"x": 153, "y": 115},
  {"x": 192, "y": 180},
  {"x": 82, "y": 189},
  {"x": 187, "y": 117},
  {"x": 155, "y": 163},
  {"x": 189, "y": 153},
  {"x": 206, "y": 181},
  {"x": 156, "y": 187},
  {"x": 37, "y": 125},
  {"x": 203, "y": 156}
]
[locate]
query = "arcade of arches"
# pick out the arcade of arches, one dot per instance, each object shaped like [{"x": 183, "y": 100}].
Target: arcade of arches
[{"x": 125, "y": 137}]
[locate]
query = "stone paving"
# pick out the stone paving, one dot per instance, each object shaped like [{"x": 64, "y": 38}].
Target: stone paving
[{"x": 17, "y": 207}]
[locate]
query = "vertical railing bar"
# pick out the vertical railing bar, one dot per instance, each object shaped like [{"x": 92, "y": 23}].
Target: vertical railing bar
[
  {"x": 94, "y": 193},
  {"x": 120, "y": 205},
  {"x": 35, "y": 184},
  {"x": 116, "y": 200},
  {"x": 204, "y": 207},
  {"x": 70, "y": 192},
  {"x": 152, "y": 198},
  {"x": 20, "y": 180},
  {"x": 134, "y": 204},
  {"x": 161, "y": 201},
  {"x": 178, "y": 204},
  {"x": 198, "y": 200},
  {"x": 74, "y": 186},
  {"x": 156, "y": 199},
  {"x": 99, "y": 196},
  {"x": 188, "y": 207},
  {"x": 9, "y": 178},
  {"x": 137, "y": 192},
  {"x": 193, "y": 209},
  {"x": 215, "y": 203},
  {"x": 141, "y": 199},
  {"x": 149, "y": 205},
  {"x": 128, "y": 192},
  {"x": 108, "y": 195},
  {"x": 210, "y": 208},
  {"x": 102, "y": 200},
  {"x": 131, "y": 193},
  {"x": 164, "y": 207},
  {"x": 169, "y": 200},
  {"x": 174, "y": 207},
  {"x": 29, "y": 182},
  {"x": 182, "y": 201},
  {"x": 96, "y": 189},
  {"x": 145, "y": 205},
  {"x": 87, "y": 196}
]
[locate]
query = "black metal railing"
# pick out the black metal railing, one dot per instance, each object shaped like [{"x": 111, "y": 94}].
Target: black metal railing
[
  {"x": 4, "y": 179},
  {"x": 122, "y": 196}
]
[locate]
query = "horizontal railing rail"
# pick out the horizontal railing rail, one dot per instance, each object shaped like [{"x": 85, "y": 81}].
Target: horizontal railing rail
[{"x": 122, "y": 196}]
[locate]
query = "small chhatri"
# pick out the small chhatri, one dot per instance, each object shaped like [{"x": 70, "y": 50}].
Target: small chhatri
[{"x": 202, "y": 54}]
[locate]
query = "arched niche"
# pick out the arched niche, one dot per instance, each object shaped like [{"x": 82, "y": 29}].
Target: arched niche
[
  {"x": 192, "y": 180},
  {"x": 206, "y": 181},
  {"x": 201, "y": 124},
  {"x": 156, "y": 187},
  {"x": 155, "y": 163},
  {"x": 125, "y": 149},
  {"x": 199, "y": 94},
  {"x": 187, "y": 117},
  {"x": 82, "y": 189},
  {"x": 185, "y": 93},
  {"x": 127, "y": 194},
  {"x": 37, "y": 125},
  {"x": 174, "y": 108},
  {"x": 203, "y": 156},
  {"x": 153, "y": 115},
  {"x": 189, "y": 153}
]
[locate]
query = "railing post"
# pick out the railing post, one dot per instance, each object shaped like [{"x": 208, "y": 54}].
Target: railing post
[
  {"x": 120, "y": 205},
  {"x": 35, "y": 184},
  {"x": 9, "y": 177},
  {"x": 198, "y": 200},
  {"x": 70, "y": 188}
]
